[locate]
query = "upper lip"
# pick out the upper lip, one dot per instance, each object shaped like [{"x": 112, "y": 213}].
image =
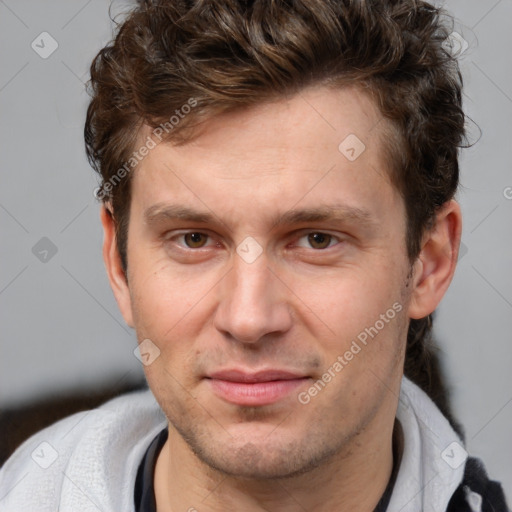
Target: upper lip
[{"x": 259, "y": 376}]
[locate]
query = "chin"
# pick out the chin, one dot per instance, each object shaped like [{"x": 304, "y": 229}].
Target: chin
[{"x": 262, "y": 459}]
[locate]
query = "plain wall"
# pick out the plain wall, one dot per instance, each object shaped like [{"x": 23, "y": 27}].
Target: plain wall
[{"x": 60, "y": 326}]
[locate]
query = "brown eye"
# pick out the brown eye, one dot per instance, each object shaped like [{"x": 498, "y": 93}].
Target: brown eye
[
  {"x": 319, "y": 240},
  {"x": 195, "y": 240}
]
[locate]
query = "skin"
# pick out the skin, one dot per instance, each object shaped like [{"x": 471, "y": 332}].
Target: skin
[{"x": 298, "y": 306}]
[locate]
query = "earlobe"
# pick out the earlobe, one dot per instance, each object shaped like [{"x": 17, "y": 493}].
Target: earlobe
[
  {"x": 113, "y": 266},
  {"x": 435, "y": 266}
]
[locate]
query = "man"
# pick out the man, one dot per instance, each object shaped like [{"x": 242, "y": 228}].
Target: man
[{"x": 277, "y": 189}]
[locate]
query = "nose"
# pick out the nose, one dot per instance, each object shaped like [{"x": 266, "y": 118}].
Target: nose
[{"x": 253, "y": 303}]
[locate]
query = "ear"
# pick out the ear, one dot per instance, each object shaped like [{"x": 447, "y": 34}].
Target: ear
[
  {"x": 112, "y": 259},
  {"x": 435, "y": 265}
]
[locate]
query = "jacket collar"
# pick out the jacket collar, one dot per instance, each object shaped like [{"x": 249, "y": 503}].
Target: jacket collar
[{"x": 433, "y": 457}]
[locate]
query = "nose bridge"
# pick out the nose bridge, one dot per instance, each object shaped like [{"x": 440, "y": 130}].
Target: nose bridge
[{"x": 251, "y": 303}]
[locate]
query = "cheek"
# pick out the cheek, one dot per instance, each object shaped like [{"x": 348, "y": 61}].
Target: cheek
[
  {"x": 162, "y": 298},
  {"x": 348, "y": 301},
  {"x": 173, "y": 311}
]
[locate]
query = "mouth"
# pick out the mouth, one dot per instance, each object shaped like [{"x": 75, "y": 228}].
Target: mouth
[{"x": 254, "y": 388}]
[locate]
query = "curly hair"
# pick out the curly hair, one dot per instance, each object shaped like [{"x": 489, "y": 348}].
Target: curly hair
[{"x": 229, "y": 54}]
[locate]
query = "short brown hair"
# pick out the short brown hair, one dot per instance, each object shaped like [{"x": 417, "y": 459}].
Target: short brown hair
[{"x": 229, "y": 54}]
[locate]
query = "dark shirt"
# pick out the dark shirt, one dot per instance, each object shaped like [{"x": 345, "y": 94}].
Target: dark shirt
[{"x": 144, "y": 491}]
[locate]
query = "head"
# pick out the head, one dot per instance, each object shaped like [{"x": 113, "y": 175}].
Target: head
[{"x": 242, "y": 108}]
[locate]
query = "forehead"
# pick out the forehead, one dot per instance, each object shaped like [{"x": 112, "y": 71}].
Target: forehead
[
  {"x": 322, "y": 145},
  {"x": 317, "y": 117}
]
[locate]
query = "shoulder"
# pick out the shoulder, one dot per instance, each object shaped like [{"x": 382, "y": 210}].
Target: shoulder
[
  {"x": 435, "y": 470},
  {"x": 84, "y": 462}
]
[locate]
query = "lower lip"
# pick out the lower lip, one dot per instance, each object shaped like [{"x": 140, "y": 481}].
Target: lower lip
[{"x": 254, "y": 393}]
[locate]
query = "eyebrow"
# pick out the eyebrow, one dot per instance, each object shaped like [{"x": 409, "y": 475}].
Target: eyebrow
[
  {"x": 164, "y": 211},
  {"x": 327, "y": 213},
  {"x": 332, "y": 213}
]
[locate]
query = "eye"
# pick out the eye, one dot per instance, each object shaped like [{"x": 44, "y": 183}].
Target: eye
[
  {"x": 317, "y": 240},
  {"x": 188, "y": 246},
  {"x": 194, "y": 240}
]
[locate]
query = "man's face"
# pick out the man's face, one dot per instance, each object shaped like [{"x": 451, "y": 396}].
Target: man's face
[{"x": 260, "y": 246}]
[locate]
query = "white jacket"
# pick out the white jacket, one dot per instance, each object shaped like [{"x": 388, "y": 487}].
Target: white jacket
[{"x": 88, "y": 461}]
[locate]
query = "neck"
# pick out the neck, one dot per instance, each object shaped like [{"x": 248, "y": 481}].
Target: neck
[{"x": 351, "y": 480}]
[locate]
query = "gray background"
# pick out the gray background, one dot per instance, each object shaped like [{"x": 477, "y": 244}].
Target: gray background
[{"x": 60, "y": 326}]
